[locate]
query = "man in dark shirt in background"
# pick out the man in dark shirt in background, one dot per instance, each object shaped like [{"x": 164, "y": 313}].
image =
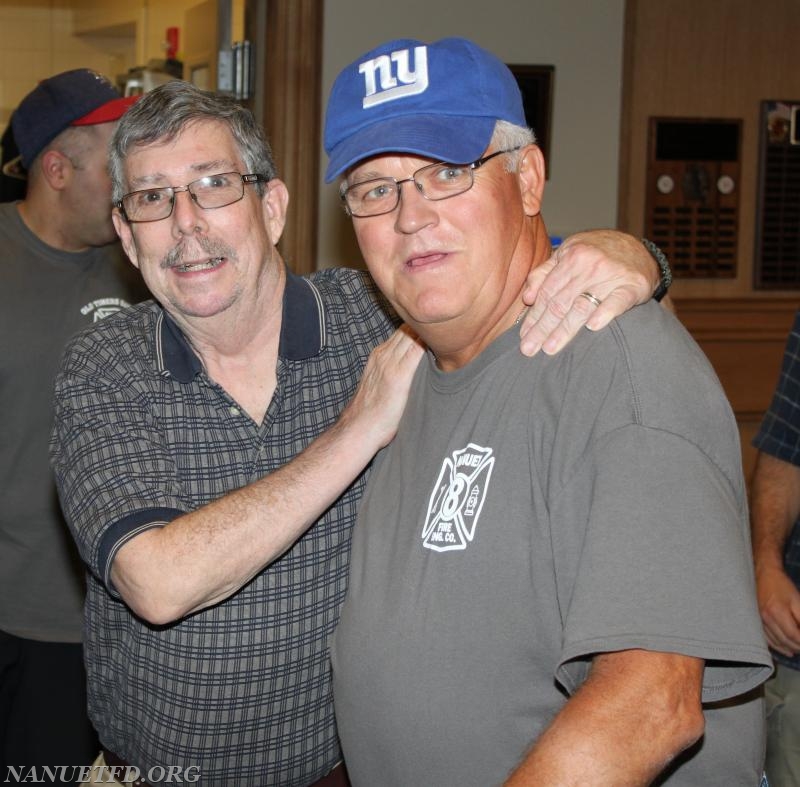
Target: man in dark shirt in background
[
  {"x": 774, "y": 512},
  {"x": 61, "y": 269}
]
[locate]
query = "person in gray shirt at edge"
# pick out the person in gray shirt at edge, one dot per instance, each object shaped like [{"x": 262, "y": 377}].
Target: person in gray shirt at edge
[
  {"x": 211, "y": 505},
  {"x": 550, "y": 579},
  {"x": 61, "y": 270}
]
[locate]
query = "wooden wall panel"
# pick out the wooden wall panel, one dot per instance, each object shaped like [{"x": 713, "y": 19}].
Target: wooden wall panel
[
  {"x": 720, "y": 59},
  {"x": 744, "y": 339},
  {"x": 704, "y": 59},
  {"x": 292, "y": 116}
]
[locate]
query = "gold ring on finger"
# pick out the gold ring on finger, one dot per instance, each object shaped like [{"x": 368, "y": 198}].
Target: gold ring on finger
[{"x": 589, "y": 297}]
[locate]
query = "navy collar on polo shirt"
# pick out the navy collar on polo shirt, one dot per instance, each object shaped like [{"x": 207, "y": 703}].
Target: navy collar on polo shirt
[{"x": 302, "y": 331}]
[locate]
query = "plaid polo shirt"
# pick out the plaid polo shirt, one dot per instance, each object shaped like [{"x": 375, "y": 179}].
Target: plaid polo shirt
[
  {"x": 141, "y": 436},
  {"x": 779, "y": 436}
]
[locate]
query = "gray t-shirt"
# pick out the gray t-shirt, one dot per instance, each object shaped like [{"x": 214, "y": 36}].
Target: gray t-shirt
[
  {"x": 532, "y": 513},
  {"x": 46, "y": 295}
]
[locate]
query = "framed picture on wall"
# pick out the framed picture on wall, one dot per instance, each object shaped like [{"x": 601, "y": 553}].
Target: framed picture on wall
[{"x": 536, "y": 85}]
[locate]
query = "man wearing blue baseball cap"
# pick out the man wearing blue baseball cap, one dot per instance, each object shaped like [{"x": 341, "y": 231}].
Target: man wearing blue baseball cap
[
  {"x": 550, "y": 581},
  {"x": 60, "y": 270}
]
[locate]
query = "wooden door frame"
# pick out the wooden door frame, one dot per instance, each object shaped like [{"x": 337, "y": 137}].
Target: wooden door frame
[{"x": 289, "y": 33}]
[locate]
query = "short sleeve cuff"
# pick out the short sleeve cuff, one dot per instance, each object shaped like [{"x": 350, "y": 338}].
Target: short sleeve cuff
[
  {"x": 122, "y": 531},
  {"x": 730, "y": 670}
]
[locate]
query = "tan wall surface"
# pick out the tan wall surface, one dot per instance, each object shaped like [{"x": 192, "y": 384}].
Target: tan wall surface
[{"x": 39, "y": 38}]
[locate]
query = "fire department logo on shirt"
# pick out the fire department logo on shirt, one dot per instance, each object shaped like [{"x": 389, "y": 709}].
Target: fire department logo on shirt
[
  {"x": 457, "y": 499},
  {"x": 103, "y": 307}
]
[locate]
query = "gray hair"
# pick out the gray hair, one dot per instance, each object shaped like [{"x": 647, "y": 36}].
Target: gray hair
[
  {"x": 507, "y": 136},
  {"x": 166, "y": 111}
]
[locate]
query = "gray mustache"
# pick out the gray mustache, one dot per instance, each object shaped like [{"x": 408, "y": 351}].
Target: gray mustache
[{"x": 213, "y": 248}]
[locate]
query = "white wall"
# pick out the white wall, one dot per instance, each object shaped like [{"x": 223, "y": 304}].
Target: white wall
[{"x": 581, "y": 38}]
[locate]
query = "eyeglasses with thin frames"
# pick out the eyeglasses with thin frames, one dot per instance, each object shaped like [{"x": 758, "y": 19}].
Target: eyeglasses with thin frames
[
  {"x": 438, "y": 181},
  {"x": 209, "y": 192}
]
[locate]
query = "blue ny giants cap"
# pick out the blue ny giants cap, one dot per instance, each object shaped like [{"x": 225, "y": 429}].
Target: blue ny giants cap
[{"x": 438, "y": 100}]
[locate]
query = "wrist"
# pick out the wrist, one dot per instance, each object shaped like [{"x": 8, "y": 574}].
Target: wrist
[
  {"x": 362, "y": 429},
  {"x": 767, "y": 560},
  {"x": 663, "y": 266}
]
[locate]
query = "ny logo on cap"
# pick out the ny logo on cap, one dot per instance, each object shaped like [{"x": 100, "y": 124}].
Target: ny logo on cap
[{"x": 405, "y": 83}]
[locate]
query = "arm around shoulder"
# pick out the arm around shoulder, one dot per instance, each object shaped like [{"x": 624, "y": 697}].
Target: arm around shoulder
[
  {"x": 591, "y": 278},
  {"x": 202, "y": 557}
]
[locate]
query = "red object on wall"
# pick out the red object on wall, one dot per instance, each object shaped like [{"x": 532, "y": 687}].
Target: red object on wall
[{"x": 172, "y": 42}]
